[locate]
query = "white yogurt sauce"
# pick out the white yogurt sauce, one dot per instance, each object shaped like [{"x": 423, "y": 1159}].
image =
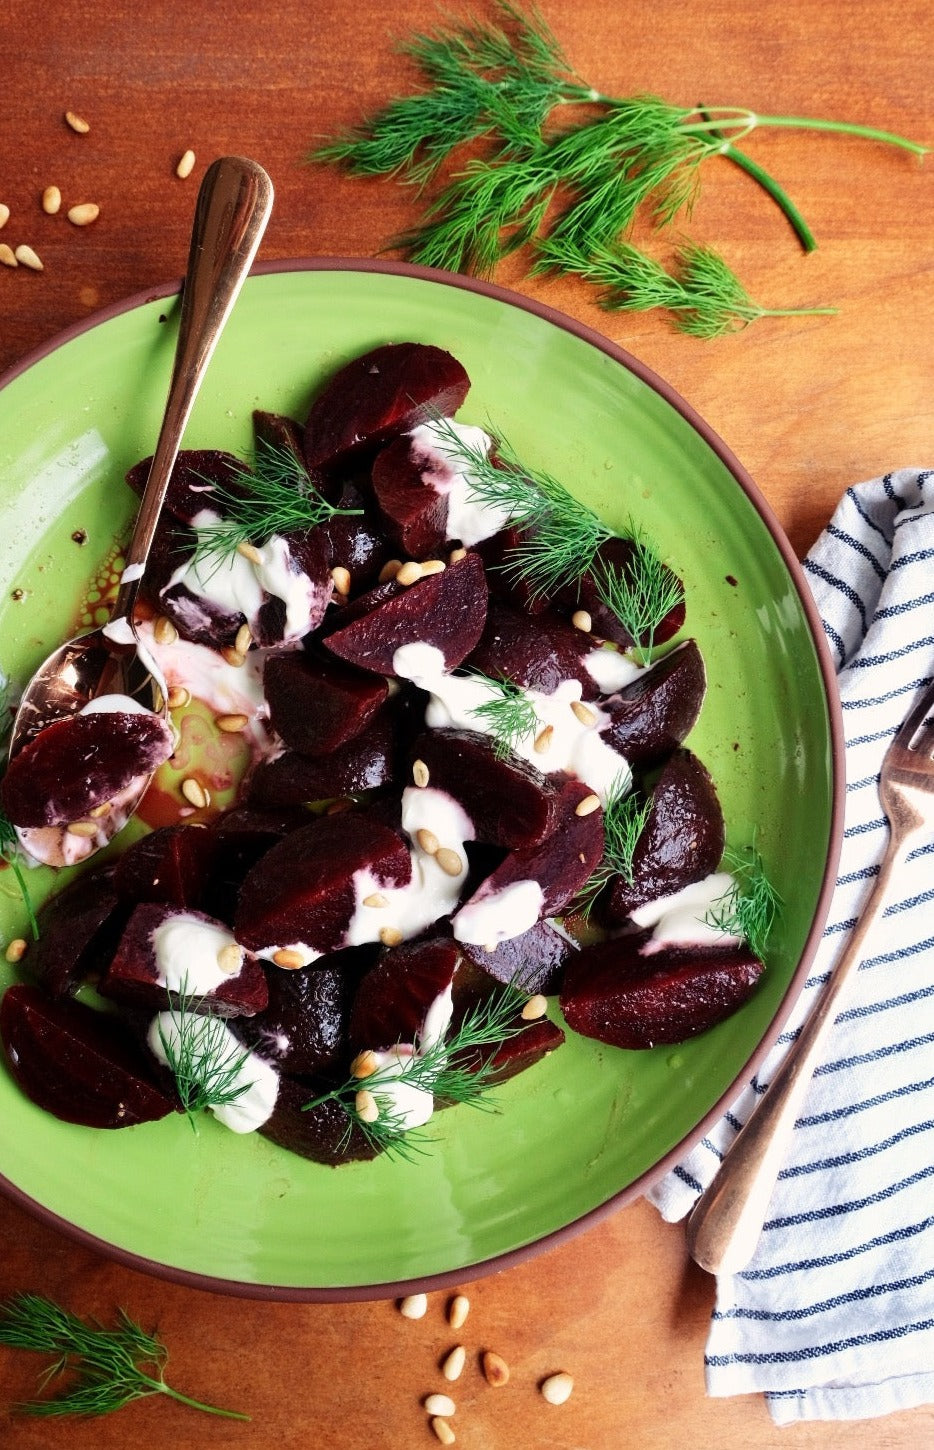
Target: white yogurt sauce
[
  {"x": 211, "y": 1038},
  {"x": 576, "y": 746},
  {"x": 187, "y": 953},
  {"x": 409, "y": 1105},
  {"x": 498, "y": 916},
  {"x": 611, "y": 670},
  {"x": 679, "y": 919},
  {"x": 226, "y": 689},
  {"x": 444, "y": 468},
  {"x": 114, "y": 704}
]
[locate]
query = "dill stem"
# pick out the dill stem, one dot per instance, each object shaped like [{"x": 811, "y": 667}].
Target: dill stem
[
  {"x": 166, "y": 1389},
  {"x": 749, "y": 120},
  {"x": 768, "y": 183}
]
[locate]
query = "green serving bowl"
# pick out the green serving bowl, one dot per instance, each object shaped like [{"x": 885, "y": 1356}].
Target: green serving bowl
[{"x": 589, "y": 1128}]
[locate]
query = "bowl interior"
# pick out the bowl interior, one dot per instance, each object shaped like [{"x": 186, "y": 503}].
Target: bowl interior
[{"x": 590, "y": 1123}]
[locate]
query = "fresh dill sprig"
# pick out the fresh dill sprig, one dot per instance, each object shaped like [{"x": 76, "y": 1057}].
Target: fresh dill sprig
[
  {"x": 508, "y": 714},
  {"x": 275, "y": 496},
  {"x": 202, "y": 1057},
  {"x": 10, "y": 853},
  {"x": 703, "y": 294},
  {"x": 455, "y": 1070},
  {"x": 624, "y": 818},
  {"x": 751, "y": 906},
  {"x": 109, "y": 1368},
  {"x": 641, "y": 594}
]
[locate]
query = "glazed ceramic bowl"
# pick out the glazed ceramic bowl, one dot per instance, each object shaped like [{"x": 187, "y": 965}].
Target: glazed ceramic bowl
[{"x": 592, "y": 1126}]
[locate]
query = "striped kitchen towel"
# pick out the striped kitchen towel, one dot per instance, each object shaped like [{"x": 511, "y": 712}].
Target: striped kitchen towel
[{"x": 834, "y": 1316}]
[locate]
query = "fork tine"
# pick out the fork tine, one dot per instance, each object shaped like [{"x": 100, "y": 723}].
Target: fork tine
[{"x": 913, "y": 722}]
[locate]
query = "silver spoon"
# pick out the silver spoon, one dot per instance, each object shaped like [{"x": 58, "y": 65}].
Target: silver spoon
[{"x": 232, "y": 210}]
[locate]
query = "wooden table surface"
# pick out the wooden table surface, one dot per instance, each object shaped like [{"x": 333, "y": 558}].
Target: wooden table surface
[{"x": 809, "y": 406}]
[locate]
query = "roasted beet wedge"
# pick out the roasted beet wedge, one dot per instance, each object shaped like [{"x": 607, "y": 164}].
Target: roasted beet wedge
[
  {"x": 530, "y": 1045},
  {"x": 538, "y": 652},
  {"x": 325, "y": 1134},
  {"x": 510, "y": 803},
  {"x": 414, "y": 513},
  {"x": 83, "y": 1066},
  {"x": 172, "y": 864},
  {"x": 80, "y": 762},
  {"x": 618, "y": 555},
  {"x": 375, "y": 397},
  {"x": 137, "y": 977},
  {"x": 302, "y": 890},
  {"x": 534, "y": 961},
  {"x": 392, "y": 1000},
  {"x": 370, "y": 760},
  {"x": 653, "y": 715},
  {"x": 560, "y": 865},
  {"x": 447, "y": 610},
  {"x": 79, "y": 928},
  {"x": 355, "y": 539},
  {"x": 303, "y": 1029},
  {"x": 316, "y": 706},
  {"x": 200, "y": 480},
  {"x": 681, "y": 842},
  {"x": 617, "y": 994}
]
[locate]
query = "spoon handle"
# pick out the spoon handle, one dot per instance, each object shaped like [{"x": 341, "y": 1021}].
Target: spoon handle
[{"x": 233, "y": 208}]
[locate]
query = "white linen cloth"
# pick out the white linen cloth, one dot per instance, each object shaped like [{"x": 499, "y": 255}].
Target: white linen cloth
[{"x": 833, "y": 1318}]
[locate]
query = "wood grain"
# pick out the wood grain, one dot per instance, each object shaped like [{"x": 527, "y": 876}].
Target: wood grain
[{"x": 808, "y": 406}]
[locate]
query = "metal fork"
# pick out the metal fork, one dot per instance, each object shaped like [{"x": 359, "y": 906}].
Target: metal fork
[{"x": 725, "y": 1223}]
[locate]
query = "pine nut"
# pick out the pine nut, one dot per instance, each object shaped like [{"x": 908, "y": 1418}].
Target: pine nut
[
  {"x": 456, "y": 555},
  {"x": 232, "y": 724},
  {"x": 4, "y": 214},
  {"x": 364, "y": 1064},
  {"x": 427, "y": 840},
  {"x": 84, "y": 829},
  {"x": 389, "y": 571},
  {"x": 587, "y": 806},
  {"x": 495, "y": 1369},
  {"x": 178, "y": 697},
  {"x": 409, "y": 573},
  {"x": 376, "y": 899},
  {"x": 244, "y": 639},
  {"x": 7, "y": 256},
  {"x": 582, "y": 620},
  {"x": 250, "y": 551},
  {"x": 440, "y": 1405},
  {"x": 449, "y": 861},
  {"x": 584, "y": 715},
  {"x": 390, "y": 936},
  {"x": 230, "y": 958},
  {"x": 77, "y": 123},
  {"x": 453, "y": 1363},
  {"x": 233, "y": 657},
  {"x": 433, "y": 566},
  {"x": 186, "y": 164},
  {"x": 458, "y": 1309},
  {"x": 51, "y": 200},
  {"x": 16, "y": 949},
  {"x": 99, "y": 811},
  {"x": 543, "y": 740},
  {"x": 340, "y": 578},
  {"x": 414, "y": 1306},
  {"x": 195, "y": 793},
  {"x": 84, "y": 213},
  {"x": 28, "y": 258},
  {"x": 365, "y": 1106},
  {"x": 557, "y": 1388},
  {"x": 420, "y": 773},
  {"x": 442, "y": 1430},
  {"x": 164, "y": 631},
  {"x": 289, "y": 961},
  {"x": 534, "y": 1008}
]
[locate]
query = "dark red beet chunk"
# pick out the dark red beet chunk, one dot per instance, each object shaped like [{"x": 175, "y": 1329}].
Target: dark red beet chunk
[
  {"x": 509, "y": 802},
  {"x": 199, "y": 480},
  {"x": 447, "y": 610},
  {"x": 172, "y": 864},
  {"x": 325, "y": 1134},
  {"x": 83, "y": 1066},
  {"x": 303, "y": 1029},
  {"x": 356, "y": 541},
  {"x": 617, "y": 995},
  {"x": 682, "y": 840},
  {"x": 414, "y": 513},
  {"x": 368, "y": 761},
  {"x": 302, "y": 890},
  {"x": 651, "y": 717},
  {"x": 393, "y": 998},
  {"x": 133, "y": 973},
  {"x": 534, "y": 961},
  {"x": 80, "y": 762},
  {"x": 538, "y": 653},
  {"x": 239, "y": 838},
  {"x": 78, "y": 930},
  {"x": 316, "y": 706},
  {"x": 522, "y": 1051},
  {"x": 377, "y": 396}
]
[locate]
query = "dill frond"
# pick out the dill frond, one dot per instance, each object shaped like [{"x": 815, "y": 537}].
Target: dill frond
[
  {"x": 508, "y": 714},
  {"x": 641, "y": 594},
  {"x": 752, "y": 905},
  {"x": 624, "y": 818},
  {"x": 201, "y": 1056},
  {"x": 10, "y": 853}
]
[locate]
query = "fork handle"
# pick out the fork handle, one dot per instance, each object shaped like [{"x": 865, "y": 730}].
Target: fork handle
[{"x": 725, "y": 1223}]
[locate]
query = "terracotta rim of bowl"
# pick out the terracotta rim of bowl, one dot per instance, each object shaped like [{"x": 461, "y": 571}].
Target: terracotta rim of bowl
[{"x": 468, "y": 1272}]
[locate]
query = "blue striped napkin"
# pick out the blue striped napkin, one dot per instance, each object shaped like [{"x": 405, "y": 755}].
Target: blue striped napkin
[{"x": 834, "y": 1316}]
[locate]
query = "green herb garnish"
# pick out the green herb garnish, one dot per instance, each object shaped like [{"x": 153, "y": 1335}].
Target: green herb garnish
[
  {"x": 275, "y": 496},
  {"x": 508, "y": 715},
  {"x": 751, "y": 906},
  {"x": 10, "y": 853},
  {"x": 205, "y": 1062},
  {"x": 456, "y": 1070},
  {"x": 624, "y": 818},
  {"x": 641, "y": 594},
  {"x": 109, "y": 1367}
]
